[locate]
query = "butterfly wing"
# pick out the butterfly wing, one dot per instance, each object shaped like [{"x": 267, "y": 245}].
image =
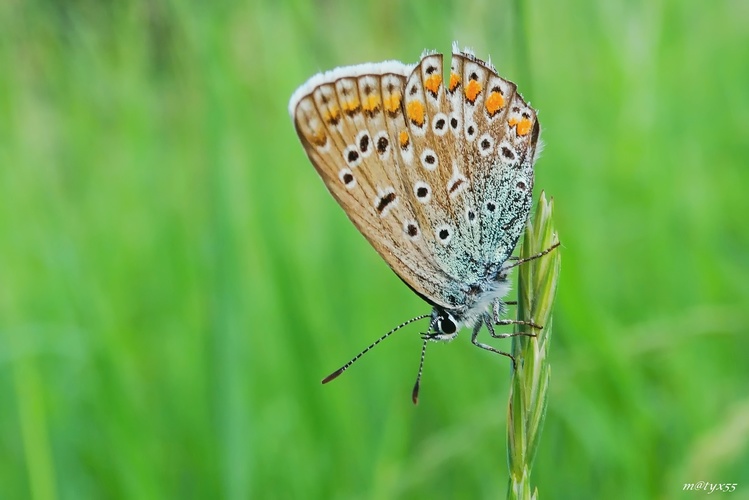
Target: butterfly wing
[
  {"x": 436, "y": 175},
  {"x": 437, "y": 178},
  {"x": 351, "y": 124},
  {"x": 471, "y": 168},
  {"x": 501, "y": 134}
]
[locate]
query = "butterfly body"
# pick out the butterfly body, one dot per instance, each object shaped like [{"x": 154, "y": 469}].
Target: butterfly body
[{"x": 438, "y": 176}]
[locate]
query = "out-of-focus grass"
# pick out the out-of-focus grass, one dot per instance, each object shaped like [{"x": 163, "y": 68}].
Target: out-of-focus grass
[{"x": 175, "y": 280}]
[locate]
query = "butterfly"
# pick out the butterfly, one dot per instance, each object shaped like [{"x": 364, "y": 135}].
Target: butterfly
[{"x": 437, "y": 176}]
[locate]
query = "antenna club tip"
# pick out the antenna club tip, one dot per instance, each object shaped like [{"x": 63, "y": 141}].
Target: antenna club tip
[
  {"x": 332, "y": 376},
  {"x": 415, "y": 394}
]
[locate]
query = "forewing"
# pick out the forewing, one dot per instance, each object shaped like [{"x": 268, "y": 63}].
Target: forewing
[{"x": 352, "y": 126}]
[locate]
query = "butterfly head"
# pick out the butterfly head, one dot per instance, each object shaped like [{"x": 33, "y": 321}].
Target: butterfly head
[{"x": 445, "y": 325}]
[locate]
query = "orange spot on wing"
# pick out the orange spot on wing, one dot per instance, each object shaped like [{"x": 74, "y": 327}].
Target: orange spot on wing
[
  {"x": 473, "y": 89},
  {"x": 494, "y": 103},
  {"x": 524, "y": 126},
  {"x": 333, "y": 115},
  {"x": 454, "y": 81},
  {"x": 433, "y": 83},
  {"x": 415, "y": 111},
  {"x": 392, "y": 103},
  {"x": 513, "y": 121},
  {"x": 351, "y": 106},
  {"x": 318, "y": 138},
  {"x": 371, "y": 104},
  {"x": 403, "y": 138}
]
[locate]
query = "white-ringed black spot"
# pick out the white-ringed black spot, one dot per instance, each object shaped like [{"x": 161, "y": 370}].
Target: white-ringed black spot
[
  {"x": 507, "y": 153},
  {"x": 444, "y": 234},
  {"x": 439, "y": 124},
  {"x": 471, "y": 130},
  {"x": 429, "y": 159},
  {"x": 411, "y": 228},
  {"x": 521, "y": 185},
  {"x": 412, "y": 90},
  {"x": 423, "y": 192},
  {"x": 430, "y": 70},
  {"x": 384, "y": 201},
  {"x": 474, "y": 76},
  {"x": 486, "y": 144},
  {"x": 457, "y": 183},
  {"x": 382, "y": 145},
  {"x": 491, "y": 206},
  {"x": 347, "y": 178},
  {"x": 455, "y": 186},
  {"x": 352, "y": 156},
  {"x": 456, "y": 124},
  {"x": 364, "y": 143},
  {"x": 471, "y": 216}
]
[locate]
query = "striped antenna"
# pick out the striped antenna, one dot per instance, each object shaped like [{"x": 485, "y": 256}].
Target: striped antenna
[{"x": 345, "y": 367}]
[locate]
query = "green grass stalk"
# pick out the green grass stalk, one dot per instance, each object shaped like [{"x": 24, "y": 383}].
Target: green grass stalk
[{"x": 537, "y": 284}]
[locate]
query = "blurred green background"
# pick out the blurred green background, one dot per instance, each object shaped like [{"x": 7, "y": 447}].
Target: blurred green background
[{"x": 175, "y": 280}]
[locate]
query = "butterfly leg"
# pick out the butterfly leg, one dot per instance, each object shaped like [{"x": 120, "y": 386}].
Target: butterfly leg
[
  {"x": 519, "y": 322},
  {"x": 490, "y": 327},
  {"x": 499, "y": 310},
  {"x": 475, "y": 341},
  {"x": 518, "y": 261}
]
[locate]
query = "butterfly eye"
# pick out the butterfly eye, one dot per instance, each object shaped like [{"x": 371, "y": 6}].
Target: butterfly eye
[{"x": 446, "y": 325}]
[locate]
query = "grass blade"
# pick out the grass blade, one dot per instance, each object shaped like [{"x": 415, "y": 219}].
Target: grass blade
[{"x": 537, "y": 284}]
